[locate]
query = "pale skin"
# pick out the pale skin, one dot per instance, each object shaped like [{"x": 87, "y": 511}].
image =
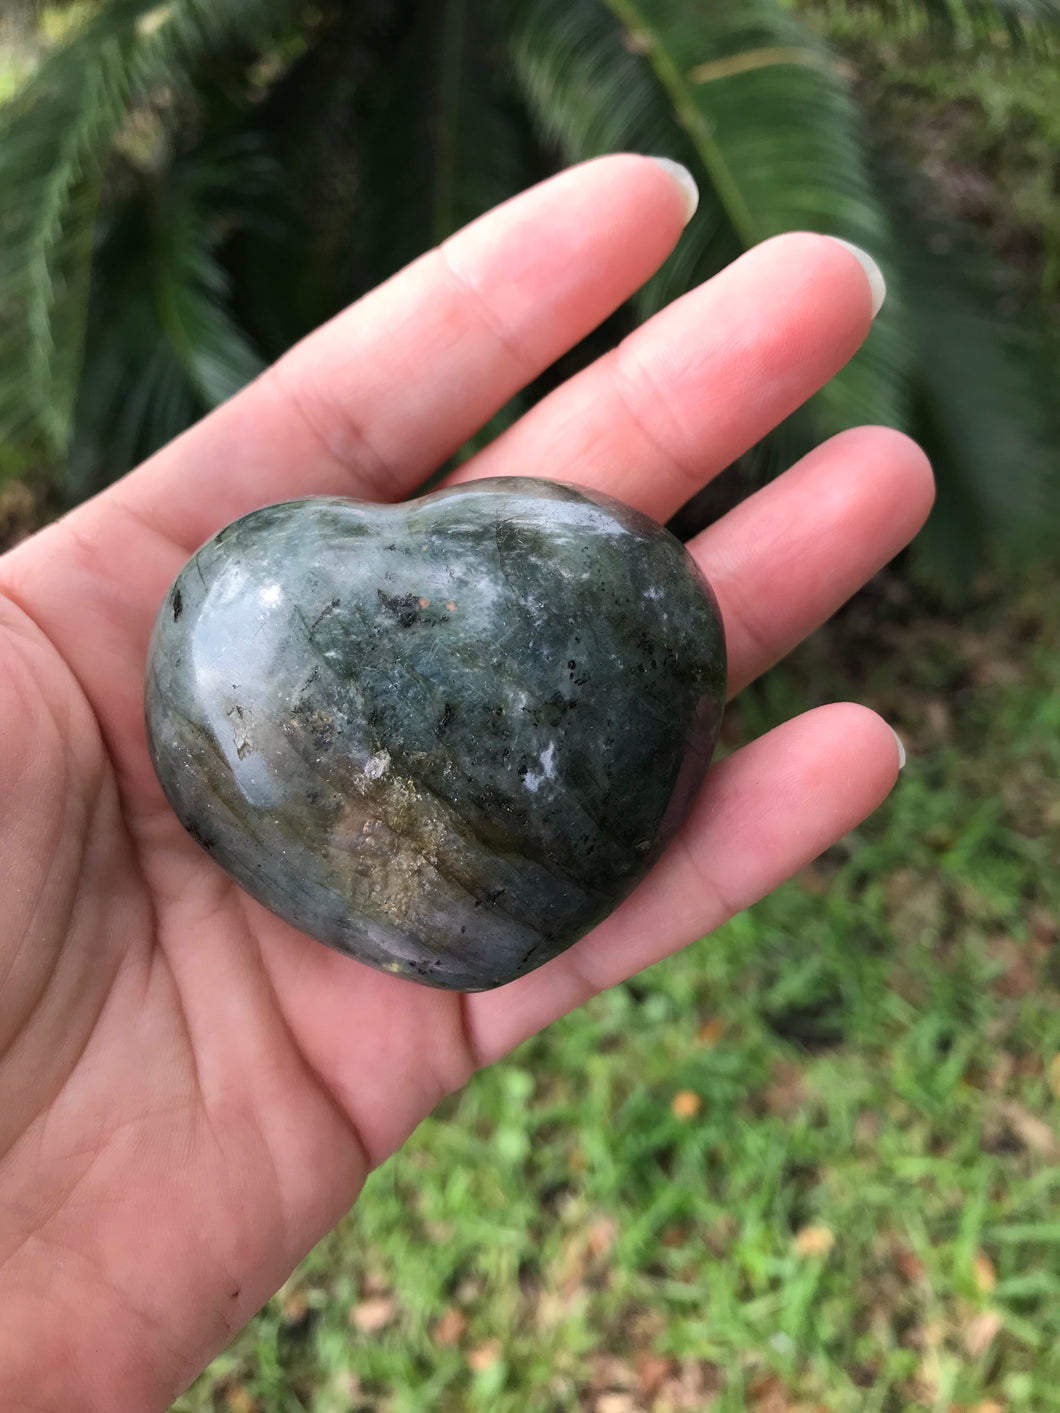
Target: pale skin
[{"x": 191, "y": 1093}]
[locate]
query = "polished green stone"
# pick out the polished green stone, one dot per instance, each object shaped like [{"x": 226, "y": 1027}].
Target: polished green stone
[{"x": 446, "y": 737}]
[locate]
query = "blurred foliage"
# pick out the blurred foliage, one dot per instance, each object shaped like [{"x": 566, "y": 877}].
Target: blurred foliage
[{"x": 200, "y": 184}]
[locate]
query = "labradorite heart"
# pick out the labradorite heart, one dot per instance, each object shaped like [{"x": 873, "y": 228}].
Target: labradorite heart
[{"x": 446, "y": 737}]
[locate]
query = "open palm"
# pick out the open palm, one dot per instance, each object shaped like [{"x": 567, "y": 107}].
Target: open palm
[{"x": 191, "y": 1093}]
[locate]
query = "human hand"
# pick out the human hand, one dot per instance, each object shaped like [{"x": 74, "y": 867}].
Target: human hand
[{"x": 191, "y": 1093}]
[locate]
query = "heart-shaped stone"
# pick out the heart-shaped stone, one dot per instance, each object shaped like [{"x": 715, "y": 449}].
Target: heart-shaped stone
[{"x": 446, "y": 737}]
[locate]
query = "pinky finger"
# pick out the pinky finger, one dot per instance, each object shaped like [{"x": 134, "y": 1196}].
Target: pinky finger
[{"x": 763, "y": 814}]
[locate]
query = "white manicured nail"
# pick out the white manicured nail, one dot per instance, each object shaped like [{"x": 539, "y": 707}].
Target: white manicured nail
[
  {"x": 685, "y": 180},
  {"x": 901, "y": 748},
  {"x": 877, "y": 284}
]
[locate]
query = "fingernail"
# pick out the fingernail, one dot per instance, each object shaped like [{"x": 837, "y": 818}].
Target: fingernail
[
  {"x": 685, "y": 180},
  {"x": 901, "y": 748},
  {"x": 877, "y": 284}
]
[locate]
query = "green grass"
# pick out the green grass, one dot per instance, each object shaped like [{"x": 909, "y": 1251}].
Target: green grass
[{"x": 873, "y": 1050}]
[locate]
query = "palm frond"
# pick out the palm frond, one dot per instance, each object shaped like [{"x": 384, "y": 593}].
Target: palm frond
[
  {"x": 445, "y": 139},
  {"x": 56, "y": 135},
  {"x": 1019, "y": 20},
  {"x": 163, "y": 345},
  {"x": 755, "y": 106},
  {"x": 985, "y": 398},
  {"x": 294, "y": 256}
]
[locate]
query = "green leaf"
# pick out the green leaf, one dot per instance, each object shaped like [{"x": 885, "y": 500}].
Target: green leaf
[
  {"x": 985, "y": 403},
  {"x": 989, "y": 19},
  {"x": 56, "y": 139},
  {"x": 445, "y": 139},
  {"x": 163, "y": 344},
  {"x": 757, "y": 108}
]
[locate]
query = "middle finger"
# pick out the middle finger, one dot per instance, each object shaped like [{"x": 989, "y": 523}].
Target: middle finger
[{"x": 678, "y": 400}]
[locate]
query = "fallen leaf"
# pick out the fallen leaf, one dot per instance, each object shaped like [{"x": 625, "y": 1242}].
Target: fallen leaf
[
  {"x": 1001, "y": 1071},
  {"x": 1054, "y": 1075},
  {"x": 651, "y": 1370},
  {"x": 601, "y": 1237},
  {"x": 1019, "y": 976},
  {"x": 468, "y": 1291},
  {"x": 295, "y": 1308},
  {"x": 719, "y": 1236},
  {"x": 451, "y": 1326},
  {"x": 983, "y": 1272},
  {"x": 910, "y": 1265},
  {"x": 867, "y": 1128},
  {"x": 926, "y": 1379},
  {"x": 610, "y": 1374},
  {"x": 552, "y": 1309},
  {"x": 711, "y": 1031},
  {"x": 814, "y": 1241},
  {"x": 930, "y": 1335},
  {"x": 484, "y": 1356},
  {"x": 570, "y": 1265},
  {"x": 1034, "y": 1133},
  {"x": 980, "y": 1331},
  {"x": 786, "y": 1092},
  {"x": 615, "y": 1403},
  {"x": 691, "y": 1389},
  {"x": 372, "y": 1315},
  {"x": 989, "y": 1405},
  {"x": 769, "y": 1395},
  {"x": 345, "y": 1384},
  {"x": 813, "y": 881},
  {"x": 685, "y": 1104},
  {"x": 937, "y": 715},
  {"x": 238, "y": 1400},
  {"x": 582, "y": 1257}
]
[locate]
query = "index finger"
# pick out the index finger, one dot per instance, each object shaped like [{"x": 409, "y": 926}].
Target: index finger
[
  {"x": 367, "y": 406},
  {"x": 371, "y": 403}
]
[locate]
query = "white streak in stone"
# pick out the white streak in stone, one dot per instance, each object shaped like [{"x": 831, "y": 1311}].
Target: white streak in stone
[{"x": 377, "y": 766}]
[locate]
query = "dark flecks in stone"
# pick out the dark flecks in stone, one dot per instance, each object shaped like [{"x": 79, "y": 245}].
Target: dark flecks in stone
[
  {"x": 201, "y": 837},
  {"x": 408, "y": 609},
  {"x": 550, "y": 714},
  {"x": 324, "y": 612},
  {"x": 444, "y": 720},
  {"x": 178, "y": 604}
]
